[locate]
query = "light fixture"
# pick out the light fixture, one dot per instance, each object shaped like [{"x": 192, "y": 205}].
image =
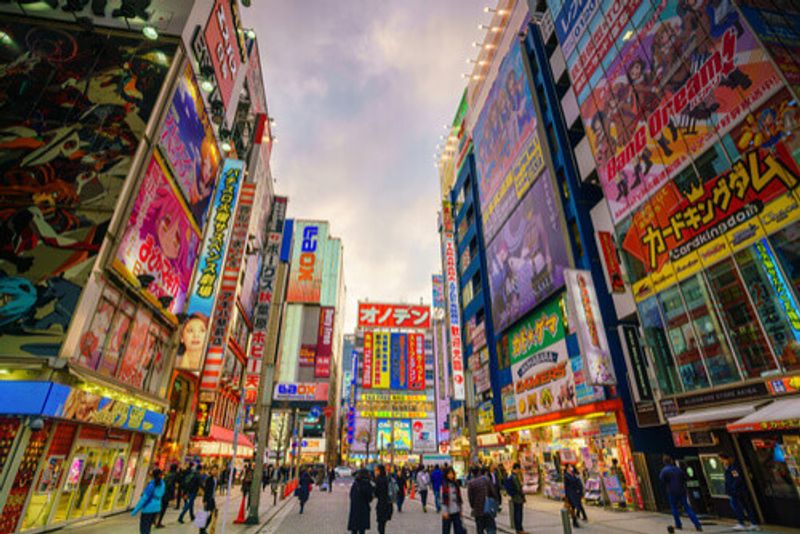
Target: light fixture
[
  {"x": 251, "y": 34},
  {"x": 207, "y": 86},
  {"x": 226, "y": 146},
  {"x": 150, "y": 32}
]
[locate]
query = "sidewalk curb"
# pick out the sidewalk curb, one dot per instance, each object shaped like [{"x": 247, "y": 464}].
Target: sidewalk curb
[{"x": 274, "y": 511}]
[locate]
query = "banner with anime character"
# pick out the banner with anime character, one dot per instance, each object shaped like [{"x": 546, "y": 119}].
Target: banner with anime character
[
  {"x": 527, "y": 258},
  {"x": 189, "y": 146},
  {"x": 160, "y": 239},
  {"x": 73, "y": 107},
  {"x": 660, "y": 87}
]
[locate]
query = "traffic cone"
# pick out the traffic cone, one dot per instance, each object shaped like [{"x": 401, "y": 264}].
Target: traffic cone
[
  {"x": 412, "y": 491},
  {"x": 240, "y": 518}
]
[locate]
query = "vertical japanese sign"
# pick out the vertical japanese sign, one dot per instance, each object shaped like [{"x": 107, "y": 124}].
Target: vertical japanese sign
[
  {"x": 305, "y": 277},
  {"x": 454, "y": 330},
  {"x": 416, "y": 362},
  {"x": 223, "y": 44},
  {"x": 380, "y": 363},
  {"x": 366, "y": 368},
  {"x": 611, "y": 257},
  {"x": 585, "y": 312},
  {"x": 266, "y": 292},
  {"x": 399, "y": 358},
  {"x": 322, "y": 367},
  {"x": 226, "y": 300},
  {"x": 437, "y": 281}
]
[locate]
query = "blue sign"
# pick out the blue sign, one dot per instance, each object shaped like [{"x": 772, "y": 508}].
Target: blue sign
[
  {"x": 399, "y": 361},
  {"x": 315, "y": 412},
  {"x": 572, "y": 21}
]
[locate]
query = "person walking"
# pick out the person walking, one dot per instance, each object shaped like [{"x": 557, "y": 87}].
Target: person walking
[
  {"x": 452, "y": 503},
  {"x": 423, "y": 485},
  {"x": 150, "y": 503},
  {"x": 181, "y": 493},
  {"x": 383, "y": 506},
  {"x": 573, "y": 494},
  {"x": 170, "y": 481},
  {"x": 514, "y": 490},
  {"x": 247, "y": 482},
  {"x": 674, "y": 480},
  {"x": 736, "y": 490},
  {"x": 496, "y": 479},
  {"x": 331, "y": 478},
  {"x": 360, "y": 497},
  {"x": 192, "y": 484},
  {"x": 479, "y": 490},
  {"x": 437, "y": 477},
  {"x": 303, "y": 490},
  {"x": 209, "y": 500},
  {"x": 402, "y": 481}
]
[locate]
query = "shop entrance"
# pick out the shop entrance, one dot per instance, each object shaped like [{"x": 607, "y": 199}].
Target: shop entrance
[{"x": 774, "y": 459}]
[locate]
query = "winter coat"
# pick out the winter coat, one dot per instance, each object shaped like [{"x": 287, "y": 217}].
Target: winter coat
[
  {"x": 734, "y": 482},
  {"x": 573, "y": 489},
  {"x": 477, "y": 490},
  {"x": 674, "y": 480},
  {"x": 451, "y": 490},
  {"x": 437, "y": 477},
  {"x": 518, "y": 497},
  {"x": 150, "y": 501},
  {"x": 360, "y": 497},
  {"x": 169, "y": 486},
  {"x": 209, "y": 486},
  {"x": 383, "y": 508},
  {"x": 302, "y": 487}
]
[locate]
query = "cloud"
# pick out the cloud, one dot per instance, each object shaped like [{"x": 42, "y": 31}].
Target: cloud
[{"x": 360, "y": 91}]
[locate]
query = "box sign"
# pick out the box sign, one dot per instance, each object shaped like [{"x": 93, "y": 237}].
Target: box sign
[
  {"x": 393, "y": 316},
  {"x": 454, "y": 323},
  {"x": 305, "y": 276},
  {"x": 222, "y": 40},
  {"x": 307, "y": 391}
]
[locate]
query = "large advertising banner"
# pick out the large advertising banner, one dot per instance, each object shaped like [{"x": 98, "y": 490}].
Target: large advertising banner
[
  {"x": 540, "y": 365},
  {"x": 656, "y": 87},
  {"x": 72, "y": 118},
  {"x": 454, "y": 317},
  {"x": 305, "y": 276},
  {"x": 366, "y": 367},
  {"x": 400, "y": 373},
  {"x": 528, "y": 256},
  {"x": 322, "y": 367},
  {"x": 508, "y": 153},
  {"x": 437, "y": 281},
  {"x": 423, "y": 435},
  {"x": 400, "y": 429},
  {"x": 373, "y": 315},
  {"x": 585, "y": 311},
  {"x": 777, "y": 25},
  {"x": 380, "y": 360},
  {"x": 189, "y": 146},
  {"x": 416, "y": 362},
  {"x": 160, "y": 239}
]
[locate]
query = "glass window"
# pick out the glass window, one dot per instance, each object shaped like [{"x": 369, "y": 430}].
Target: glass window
[
  {"x": 719, "y": 360},
  {"x": 744, "y": 331},
  {"x": 786, "y": 243},
  {"x": 656, "y": 339},
  {"x": 120, "y": 327},
  {"x": 682, "y": 339},
  {"x": 768, "y": 293}
]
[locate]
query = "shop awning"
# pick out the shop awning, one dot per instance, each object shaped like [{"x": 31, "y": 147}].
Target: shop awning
[
  {"x": 779, "y": 415},
  {"x": 705, "y": 418},
  {"x": 223, "y": 435}
]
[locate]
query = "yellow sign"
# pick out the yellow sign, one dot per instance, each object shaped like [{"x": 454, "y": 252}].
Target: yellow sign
[
  {"x": 381, "y": 360},
  {"x": 397, "y": 397},
  {"x": 393, "y": 415}
]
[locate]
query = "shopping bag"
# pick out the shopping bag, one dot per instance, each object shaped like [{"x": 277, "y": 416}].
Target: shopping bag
[{"x": 200, "y": 518}]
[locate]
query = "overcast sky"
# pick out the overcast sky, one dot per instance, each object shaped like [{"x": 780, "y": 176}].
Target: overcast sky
[{"x": 360, "y": 91}]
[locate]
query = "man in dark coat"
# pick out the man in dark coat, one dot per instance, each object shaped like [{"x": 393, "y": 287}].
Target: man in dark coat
[
  {"x": 402, "y": 481},
  {"x": 383, "y": 508},
  {"x": 304, "y": 489},
  {"x": 360, "y": 497},
  {"x": 674, "y": 480},
  {"x": 209, "y": 503},
  {"x": 573, "y": 492},
  {"x": 478, "y": 490},
  {"x": 170, "y": 481},
  {"x": 736, "y": 489}
]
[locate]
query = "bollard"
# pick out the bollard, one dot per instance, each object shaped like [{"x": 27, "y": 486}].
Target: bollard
[{"x": 566, "y": 521}]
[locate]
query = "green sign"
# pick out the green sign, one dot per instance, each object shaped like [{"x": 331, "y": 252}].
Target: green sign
[{"x": 539, "y": 330}]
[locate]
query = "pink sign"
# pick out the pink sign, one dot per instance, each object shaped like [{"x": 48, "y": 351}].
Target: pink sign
[
  {"x": 223, "y": 46},
  {"x": 322, "y": 367}
]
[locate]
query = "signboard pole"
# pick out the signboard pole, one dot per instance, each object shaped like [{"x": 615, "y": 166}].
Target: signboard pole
[
  {"x": 472, "y": 416},
  {"x": 264, "y": 412}
]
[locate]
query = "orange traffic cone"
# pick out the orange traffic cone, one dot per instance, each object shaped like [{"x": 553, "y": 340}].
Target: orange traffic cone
[
  {"x": 240, "y": 518},
  {"x": 412, "y": 491}
]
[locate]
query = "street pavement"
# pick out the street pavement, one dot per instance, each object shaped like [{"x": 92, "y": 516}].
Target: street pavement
[{"x": 327, "y": 513}]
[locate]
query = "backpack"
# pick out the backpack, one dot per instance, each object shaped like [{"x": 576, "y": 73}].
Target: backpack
[
  {"x": 508, "y": 484},
  {"x": 394, "y": 489}
]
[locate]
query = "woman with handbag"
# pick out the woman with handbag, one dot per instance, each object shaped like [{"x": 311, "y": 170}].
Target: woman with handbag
[
  {"x": 150, "y": 503},
  {"x": 452, "y": 504}
]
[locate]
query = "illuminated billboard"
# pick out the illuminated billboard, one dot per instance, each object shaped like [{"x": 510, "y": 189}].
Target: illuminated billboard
[
  {"x": 381, "y": 354},
  {"x": 305, "y": 275},
  {"x": 399, "y": 363},
  {"x": 373, "y": 315}
]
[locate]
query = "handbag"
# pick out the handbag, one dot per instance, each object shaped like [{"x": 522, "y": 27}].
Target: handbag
[
  {"x": 200, "y": 518},
  {"x": 490, "y": 506}
]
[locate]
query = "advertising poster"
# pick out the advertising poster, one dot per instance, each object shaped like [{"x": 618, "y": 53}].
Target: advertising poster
[
  {"x": 72, "y": 118},
  {"x": 224, "y": 46},
  {"x": 380, "y": 360},
  {"x": 160, "y": 239},
  {"x": 416, "y": 362},
  {"x": 508, "y": 153},
  {"x": 366, "y": 368},
  {"x": 778, "y": 28},
  {"x": 399, "y": 357},
  {"x": 528, "y": 256},
  {"x": 540, "y": 365},
  {"x": 372, "y": 315},
  {"x": 305, "y": 275},
  {"x": 400, "y": 429},
  {"x": 611, "y": 257},
  {"x": 454, "y": 317},
  {"x": 585, "y": 312},
  {"x": 322, "y": 367},
  {"x": 437, "y": 281},
  {"x": 189, "y": 147},
  {"x": 680, "y": 79},
  {"x": 423, "y": 435}
]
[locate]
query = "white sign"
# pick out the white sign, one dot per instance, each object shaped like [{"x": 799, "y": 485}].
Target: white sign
[
  {"x": 423, "y": 433},
  {"x": 456, "y": 354}
]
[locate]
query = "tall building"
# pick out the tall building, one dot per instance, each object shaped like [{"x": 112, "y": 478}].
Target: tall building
[
  {"x": 686, "y": 117},
  {"x": 127, "y": 198}
]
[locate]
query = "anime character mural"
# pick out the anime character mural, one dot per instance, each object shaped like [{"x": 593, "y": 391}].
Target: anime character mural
[{"x": 73, "y": 107}]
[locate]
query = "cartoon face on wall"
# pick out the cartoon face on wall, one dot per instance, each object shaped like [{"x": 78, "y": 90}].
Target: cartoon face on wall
[{"x": 73, "y": 107}]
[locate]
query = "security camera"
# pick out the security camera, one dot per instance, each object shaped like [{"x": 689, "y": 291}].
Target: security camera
[{"x": 36, "y": 424}]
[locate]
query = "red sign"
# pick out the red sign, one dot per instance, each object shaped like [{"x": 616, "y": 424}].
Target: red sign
[
  {"x": 416, "y": 362},
  {"x": 322, "y": 369},
  {"x": 393, "y": 316},
  {"x": 366, "y": 367},
  {"x": 223, "y": 46},
  {"x": 612, "y": 262},
  {"x": 675, "y": 222}
]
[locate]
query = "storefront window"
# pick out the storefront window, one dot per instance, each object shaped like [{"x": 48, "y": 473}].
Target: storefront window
[
  {"x": 786, "y": 243},
  {"x": 719, "y": 360},
  {"x": 683, "y": 340},
  {"x": 769, "y": 305},
  {"x": 744, "y": 331},
  {"x": 656, "y": 339}
]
